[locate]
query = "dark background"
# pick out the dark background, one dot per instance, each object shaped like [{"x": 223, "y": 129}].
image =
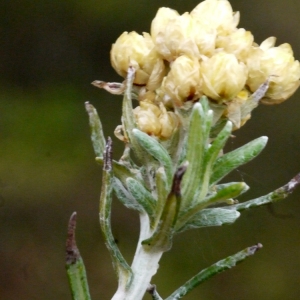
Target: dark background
[{"x": 50, "y": 51}]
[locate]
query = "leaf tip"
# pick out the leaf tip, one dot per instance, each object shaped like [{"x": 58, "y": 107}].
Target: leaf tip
[{"x": 72, "y": 252}]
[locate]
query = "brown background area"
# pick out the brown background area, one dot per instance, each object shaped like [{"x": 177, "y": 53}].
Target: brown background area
[{"x": 50, "y": 51}]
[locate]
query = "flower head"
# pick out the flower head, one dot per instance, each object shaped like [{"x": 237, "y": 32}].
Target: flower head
[
  {"x": 223, "y": 76},
  {"x": 216, "y": 13},
  {"x": 138, "y": 51},
  {"x": 183, "y": 82},
  {"x": 279, "y": 64},
  {"x": 155, "y": 120}
]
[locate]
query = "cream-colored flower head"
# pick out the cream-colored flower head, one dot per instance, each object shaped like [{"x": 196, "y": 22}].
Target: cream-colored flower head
[
  {"x": 183, "y": 82},
  {"x": 223, "y": 76},
  {"x": 175, "y": 38},
  {"x": 138, "y": 51},
  {"x": 154, "y": 120},
  {"x": 278, "y": 64},
  {"x": 175, "y": 35},
  {"x": 239, "y": 43},
  {"x": 216, "y": 13}
]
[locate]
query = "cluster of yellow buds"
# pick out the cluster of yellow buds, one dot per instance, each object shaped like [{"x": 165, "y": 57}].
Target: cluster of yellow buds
[{"x": 202, "y": 53}]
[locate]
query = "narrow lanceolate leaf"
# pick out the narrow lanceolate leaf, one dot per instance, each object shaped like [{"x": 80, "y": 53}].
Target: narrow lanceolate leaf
[
  {"x": 277, "y": 195},
  {"x": 210, "y": 158},
  {"x": 220, "y": 266},
  {"x": 228, "y": 192},
  {"x": 125, "y": 197},
  {"x": 210, "y": 217},
  {"x": 161, "y": 190},
  {"x": 75, "y": 266},
  {"x": 143, "y": 197},
  {"x": 120, "y": 265},
  {"x": 156, "y": 150},
  {"x": 198, "y": 133},
  {"x": 128, "y": 119},
  {"x": 97, "y": 135},
  {"x": 232, "y": 160},
  {"x": 121, "y": 171},
  {"x": 161, "y": 240}
]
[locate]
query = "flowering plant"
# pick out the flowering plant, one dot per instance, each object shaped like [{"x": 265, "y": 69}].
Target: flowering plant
[{"x": 197, "y": 78}]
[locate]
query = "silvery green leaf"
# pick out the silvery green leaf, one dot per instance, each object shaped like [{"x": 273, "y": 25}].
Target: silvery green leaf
[
  {"x": 210, "y": 157},
  {"x": 220, "y": 266},
  {"x": 97, "y": 135},
  {"x": 232, "y": 160},
  {"x": 128, "y": 118},
  {"x": 156, "y": 150},
  {"x": 209, "y": 217},
  {"x": 161, "y": 190},
  {"x": 229, "y": 191},
  {"x": 197, "y": 142},
  {"x": 279, "y": 194},
  {"x": 125, "y": 197},
  {"x": 143, "y": 197},
  {"x": 122, "y": 269}
]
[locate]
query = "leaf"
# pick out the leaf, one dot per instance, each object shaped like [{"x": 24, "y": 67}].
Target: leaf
[
  {"x": 143, "y": 197},
  {"x": 232, "y": 160},
  {"x": 220, "y": 266},
  {"x": 75, "y": 266},
  {"x": 161, "y": 240},
  {"x": 210, "y": 157},
  {"x": 210, "y": 217},
  {"x": 198, "y": 134},
  {"x": 125, "y": 197},
  {"x": 97, "y": 135},
  {"x": 121, "y": 267},
  {"x": 128, "y": 118},
  {"x": 277, "y": 195},
  {"x": 156, "y": 150}
]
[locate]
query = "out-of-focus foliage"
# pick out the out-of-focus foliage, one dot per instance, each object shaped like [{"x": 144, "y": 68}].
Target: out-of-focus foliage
[{"x": 50, "y": 51}]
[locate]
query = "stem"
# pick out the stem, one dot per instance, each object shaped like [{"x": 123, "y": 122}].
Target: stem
[{"x": 144, "y": 266}]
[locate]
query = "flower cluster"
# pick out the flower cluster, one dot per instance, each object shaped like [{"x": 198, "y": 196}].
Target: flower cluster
[{"x": 202, "y": 53}]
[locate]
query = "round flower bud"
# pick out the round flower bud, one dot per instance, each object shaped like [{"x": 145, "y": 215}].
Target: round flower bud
[
  {"x": 223, "y": 76},
  {"x": 155, "y": 120},
  {"x": 239, "y": 43},
  {"x": 216, "y": 13},
  {"x": 183, "y": 82},
  {"x": 138, "y": 51},
  {"x": 279, "y": 65},
  {"x": 162, "y": 18},
  {"x": 175, "y": 38}
]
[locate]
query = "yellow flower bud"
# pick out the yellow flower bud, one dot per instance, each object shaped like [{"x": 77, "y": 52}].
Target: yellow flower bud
[
  {"x": 183, "y": 82},
  {"x": 216, "y": 13},
  {"x": 239, "y": 43},
  {"x": 175, "y": 38},
  {"x": 132, "y": 49},
  {"x": 169, "y": 122},
  {"x": 163, "y": 16},
  {"x": 155, "y": 120},
  {"x": 278, "y": 64},
  {"x": 223, "y": 76}
]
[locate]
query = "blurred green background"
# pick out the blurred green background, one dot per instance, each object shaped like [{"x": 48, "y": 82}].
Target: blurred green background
[{"x": 50, "y": 51}]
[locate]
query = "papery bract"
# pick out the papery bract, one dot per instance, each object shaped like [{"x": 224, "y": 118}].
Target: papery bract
[{"x": 216, "y": 13}]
